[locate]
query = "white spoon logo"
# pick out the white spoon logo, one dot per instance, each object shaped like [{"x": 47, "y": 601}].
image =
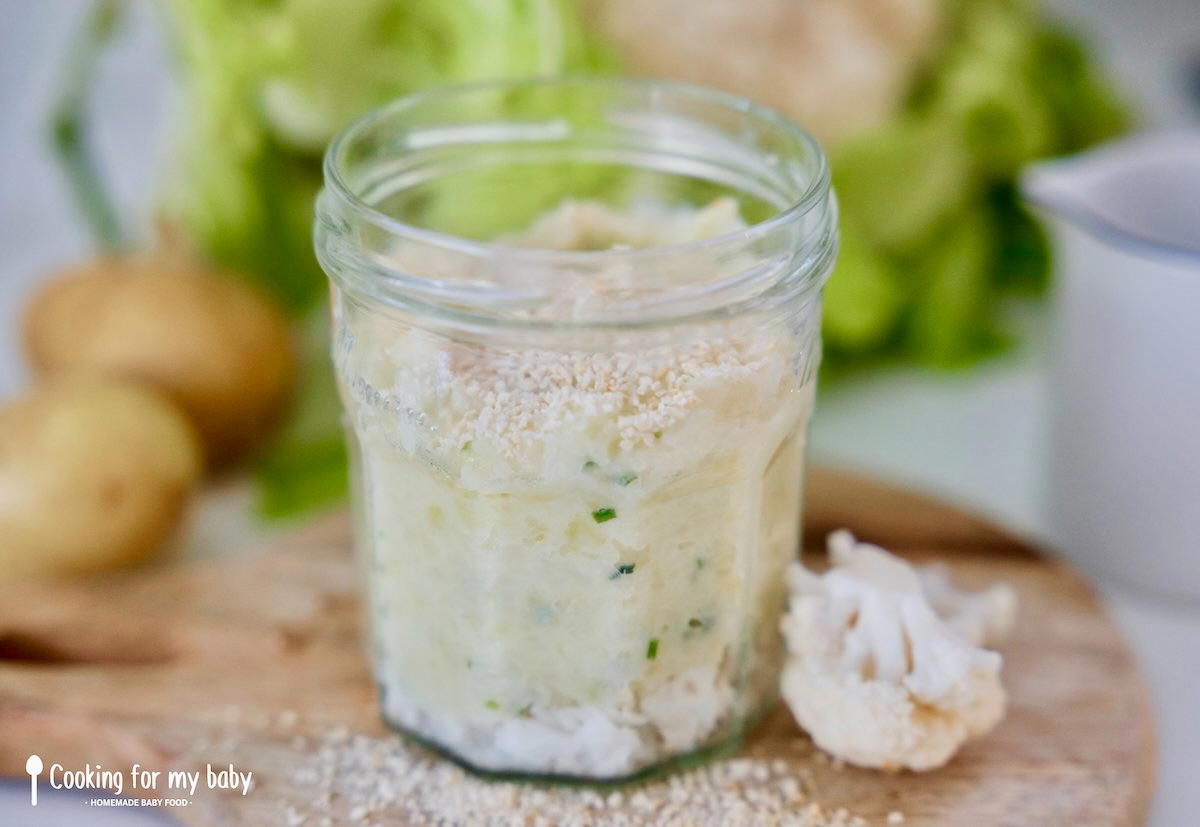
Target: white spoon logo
[{"x": 33, "y": 766}]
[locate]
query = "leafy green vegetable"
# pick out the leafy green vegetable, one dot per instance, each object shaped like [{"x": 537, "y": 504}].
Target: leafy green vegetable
[
  {"x": 933, "y": 234},
  {"x": 237, "y": 193},
  {"x": 306, "y": 465},
  {"x": 896, "y": 184},
  {"x": 267, "y": 84},
  {"x": 303, "y": 477},
  {"x": 1084, "y": 106},
  {"x": 652, "y": 649},
  {"x": 983, "y": 90},
  {"x": 1021, "y": 264},
  {"x": 952, "y": 281},
  {"x": 333, "y": 61},
  {"x": 863, "y": 303}
]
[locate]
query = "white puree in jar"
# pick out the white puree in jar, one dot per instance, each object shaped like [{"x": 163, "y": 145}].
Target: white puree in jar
[{"x": 576, "y": 558}]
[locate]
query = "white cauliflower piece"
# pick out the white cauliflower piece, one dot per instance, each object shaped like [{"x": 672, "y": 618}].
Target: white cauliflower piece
[
  {"x": 981, "y": 618},
  {"x": 874, "y": 675}
]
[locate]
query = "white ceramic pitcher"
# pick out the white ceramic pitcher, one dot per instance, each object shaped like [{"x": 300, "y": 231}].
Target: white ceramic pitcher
[{"x": 1124, "y": 464}]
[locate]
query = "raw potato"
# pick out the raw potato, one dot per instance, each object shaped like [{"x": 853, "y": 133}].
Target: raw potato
[
  {"x": 94, "y": 474},
  {"x": 213, "y": 344},
  {"x": 835, "y": 66}
]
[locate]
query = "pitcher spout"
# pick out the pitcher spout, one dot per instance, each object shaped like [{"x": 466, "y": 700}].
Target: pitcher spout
[{"x": 1143, "y": 191}]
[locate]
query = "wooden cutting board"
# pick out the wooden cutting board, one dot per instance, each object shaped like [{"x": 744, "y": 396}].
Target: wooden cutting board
[{"x": 258, "y": 660}]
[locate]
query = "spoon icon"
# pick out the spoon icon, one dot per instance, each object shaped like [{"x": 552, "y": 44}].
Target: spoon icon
[{"x": 33, "y": 766}]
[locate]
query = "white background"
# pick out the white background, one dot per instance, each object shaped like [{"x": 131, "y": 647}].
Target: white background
[{"x": 975, "y": 438}]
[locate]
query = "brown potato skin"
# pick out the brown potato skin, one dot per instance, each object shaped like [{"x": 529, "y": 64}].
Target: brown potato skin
[
  {"x": 216, "y": 346},
  {"x": 94, "y": 474}
]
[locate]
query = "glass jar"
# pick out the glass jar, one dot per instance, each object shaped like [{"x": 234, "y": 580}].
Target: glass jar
[{"x": 576, "y": 329}]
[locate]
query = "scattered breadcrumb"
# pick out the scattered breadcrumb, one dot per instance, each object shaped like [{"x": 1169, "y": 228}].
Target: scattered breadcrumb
[
  {"x": 387, "y": 779},
  {"x": 345, "y": 778}
]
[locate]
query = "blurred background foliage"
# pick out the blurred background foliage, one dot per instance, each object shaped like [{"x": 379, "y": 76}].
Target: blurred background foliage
[
  {"x": 934, "y": 230},
  {"x": 934, "y": 237}
]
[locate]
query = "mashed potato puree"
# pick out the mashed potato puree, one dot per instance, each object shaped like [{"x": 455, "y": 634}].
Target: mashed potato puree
[{"x": 576, "y": 559}]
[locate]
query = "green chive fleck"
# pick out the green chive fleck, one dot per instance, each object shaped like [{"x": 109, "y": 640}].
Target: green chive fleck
[
  {"x": 603, "y": 515},
  {"x": 526, "y": 711},
  {"x": 624, "y": 479},
  {"x": 590, "y": 464},
  {"x": 622, "y": 568},
  {"x": 658, "y": 434},
  {"x": 491, "y": 704},
  {"x": 695, "y": 623},
  {"x": 652, "y": 649},
  {"x": 467, "y": 445}
]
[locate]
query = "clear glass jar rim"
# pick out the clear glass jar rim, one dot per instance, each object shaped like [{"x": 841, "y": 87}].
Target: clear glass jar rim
[
  {"x": 817, "y": 192},
  {"x": 802, "y": 225}
]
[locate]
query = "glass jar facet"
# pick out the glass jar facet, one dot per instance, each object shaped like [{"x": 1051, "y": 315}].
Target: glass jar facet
[{"x": 576, "y": 334}]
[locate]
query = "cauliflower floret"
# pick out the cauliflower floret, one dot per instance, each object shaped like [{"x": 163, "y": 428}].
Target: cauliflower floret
[
  {"x": 981, "y": 618},
  {"x": 874, "y": 675}
]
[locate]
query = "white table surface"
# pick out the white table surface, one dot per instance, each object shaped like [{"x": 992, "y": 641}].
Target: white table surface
[{"x": 974, "y": 438}]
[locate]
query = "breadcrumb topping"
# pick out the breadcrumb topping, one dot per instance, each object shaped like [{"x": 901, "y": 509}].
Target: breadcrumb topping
[
  {"x": 513, "y": 398},
  {"x": 621, "y": 396}
]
